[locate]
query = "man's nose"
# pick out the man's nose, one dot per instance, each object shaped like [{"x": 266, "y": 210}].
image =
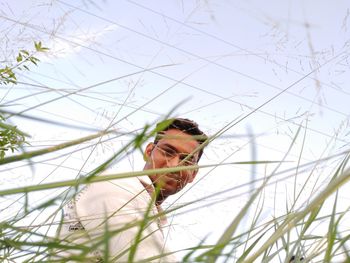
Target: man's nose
[
  {"x": 174, "y": 161},
  {"x": 177, "y": 161}
]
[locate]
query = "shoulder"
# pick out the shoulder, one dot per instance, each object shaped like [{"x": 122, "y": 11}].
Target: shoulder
[
  {"x": 123, "y": 186},
  {"x": 111, "y": 195}
]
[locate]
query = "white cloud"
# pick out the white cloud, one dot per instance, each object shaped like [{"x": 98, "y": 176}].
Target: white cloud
[{"x": 63, "y": 46}]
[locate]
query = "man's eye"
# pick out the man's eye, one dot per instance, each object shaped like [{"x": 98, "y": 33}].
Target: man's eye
[
  {"x": 188, "y": 161},
  {"x": 168, "y": 152}
]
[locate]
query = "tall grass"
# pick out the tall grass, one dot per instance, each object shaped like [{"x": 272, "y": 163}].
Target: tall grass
[
  {"x": 312, "y": 227},
  {"x": 291, "y": 234}
]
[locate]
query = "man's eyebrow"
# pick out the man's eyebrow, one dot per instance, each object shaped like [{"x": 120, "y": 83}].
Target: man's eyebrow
[
  {"x": 170, "y": 146},
  {"x": 175, "y": 149}
]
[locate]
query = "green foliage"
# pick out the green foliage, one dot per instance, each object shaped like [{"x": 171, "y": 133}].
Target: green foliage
[
  {"x": 23, "y": 59},
  {"x": 11, "y": 138},
  {"x": 39, "y": 47},
  {"x": 163, "y": 125},
  {"x": 7, "y": 76}
]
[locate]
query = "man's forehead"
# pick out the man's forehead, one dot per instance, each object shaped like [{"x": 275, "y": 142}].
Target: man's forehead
[
  {"x": 174, "y": 134},
  {"x": 179, "y": 139}
]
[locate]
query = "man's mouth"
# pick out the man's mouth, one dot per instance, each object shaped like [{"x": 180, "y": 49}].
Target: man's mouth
[
  {"x": 174, "y": 176},
  {"x": 170, "y": 181},
  {"x": 176, "y": 181}
]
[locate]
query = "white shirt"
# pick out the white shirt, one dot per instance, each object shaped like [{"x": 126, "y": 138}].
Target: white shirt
[{"x": 115, "y": 208}]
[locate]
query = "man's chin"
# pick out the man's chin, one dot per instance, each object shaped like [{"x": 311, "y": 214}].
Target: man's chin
[
  {"x": 169, "y": 185},
  {"x": 169, "y": 189}
]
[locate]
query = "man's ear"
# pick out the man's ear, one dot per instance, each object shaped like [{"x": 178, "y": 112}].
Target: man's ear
[{"x": 148, "y": 151}]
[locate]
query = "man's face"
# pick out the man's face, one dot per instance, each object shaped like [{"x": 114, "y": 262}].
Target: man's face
[{"x": 169, "y": 151}]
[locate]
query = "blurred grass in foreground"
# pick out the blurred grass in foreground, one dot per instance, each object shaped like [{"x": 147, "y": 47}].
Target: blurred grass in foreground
[{"x": 276, "y": 240}]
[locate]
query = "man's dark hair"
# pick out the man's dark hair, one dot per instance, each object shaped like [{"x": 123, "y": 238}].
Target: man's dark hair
[{"x": 187, "y": 126}]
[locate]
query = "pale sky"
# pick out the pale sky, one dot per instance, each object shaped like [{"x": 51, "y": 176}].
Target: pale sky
[{"x": 220, "y": 60}]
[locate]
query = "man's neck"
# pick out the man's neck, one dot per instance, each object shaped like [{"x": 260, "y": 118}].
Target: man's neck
[{"x": 151, "y": 190}]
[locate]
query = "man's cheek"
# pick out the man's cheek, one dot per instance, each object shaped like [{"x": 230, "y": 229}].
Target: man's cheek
[
  {"x": 159, "y": 162},
  {"x": 191, "y": 177}
]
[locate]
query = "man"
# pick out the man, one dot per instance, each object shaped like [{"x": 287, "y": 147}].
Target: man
[{"x": 119, "y": 220}]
